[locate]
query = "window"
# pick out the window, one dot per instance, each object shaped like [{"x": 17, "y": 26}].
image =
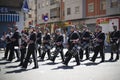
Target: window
[
  {"x": 114, "y": 3},
  {"x": 68, "y": 11},
  {"x": 77, "y": 9},
  {"x": 52, "y": 2},
  {"x": 55, "y": 13},
  {"x": 103, "y": 5},
  {"x": 47, "y": 2},
  {"x": 91, "y": 7},
  {"x": 39, "y": 5}
]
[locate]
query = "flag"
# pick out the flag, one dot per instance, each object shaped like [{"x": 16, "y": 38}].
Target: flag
[{"x": 25, "y": 6}]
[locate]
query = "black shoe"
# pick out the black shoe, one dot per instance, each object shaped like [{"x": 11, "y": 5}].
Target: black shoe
[
  {"x": 20, "y": 64},
  {"x": 78, "y": 63},
  {"x": 4, "y": 58},
  {"x": 24, "y": 68},
  {"x": 48, "y": 59},
  {"x": 92, "y": 60},
  {"x": 110, "y": 59},
  {"x": 87, "y": 59},
  {"x": 34, "y": 67},
  {"x": 65, "y": 64},
  {"x": 9, "y": 60},
  {"x": 30, "y": 61},
  {"x": 116, "y": 59}
]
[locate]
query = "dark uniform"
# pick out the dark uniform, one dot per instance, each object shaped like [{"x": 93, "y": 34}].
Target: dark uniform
[
  {"x": 73, "y": 36},
  {"x": 23, "y": 50},
  {"x": 31, "y": 51},
  {"x": 14, "y": 43},
  {"x": 8, "y": 42},
  {"x": 98, "y": 46},
  {"x": 59, "y": 46},
  {"x": 114, "y": 40},
  {"x": 46, "y": 45},
  {"x": 85, "y": 37},
  {"x": 39, "y": 36}
]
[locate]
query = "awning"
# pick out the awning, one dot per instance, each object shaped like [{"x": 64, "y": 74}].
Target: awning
[
  {"x": 13, "y": 4},
  {"x": 9, "y": 17}
]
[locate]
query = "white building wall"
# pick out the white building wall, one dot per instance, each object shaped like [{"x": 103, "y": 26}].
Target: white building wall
[
  {"x": 72, "y": 4},
  {"x": 114, "y": 10},
  {"x": 43, "y": 7}
]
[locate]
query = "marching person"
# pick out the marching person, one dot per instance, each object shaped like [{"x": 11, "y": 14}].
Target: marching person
[
  {"x": 14, "y": 45},
  {"x": 2, "y": 40},
  {"x": 46, "y": 44},
  {"x": 23, "y": 46},
  {"x": 85, "y": 39},
  {"x": 114, "y": 40},
  {"x": 59, "y": 45},
  {"x": 98, "y": 44},
  {"x": 8, "y": 42},
  {"x": 31, "y": 50},
  {"x": 39, "y": 37},
  {"x": 73, "y": 39}
]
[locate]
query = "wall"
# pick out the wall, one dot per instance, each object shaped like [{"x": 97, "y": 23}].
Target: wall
[
  {"x": 96, "y": 11},
  {"x": 72, "y": 4},
  {"x": 112, "y": 11}
]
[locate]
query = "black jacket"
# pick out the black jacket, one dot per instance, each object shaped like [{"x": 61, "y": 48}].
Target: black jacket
[
  {"x": 74, "y": 35},
  {"x": 39, "y": 36},
  {"x": 115, "y": 35},
  {"x": 101, "y": 37},
  {"x": 16, "y": 36},
  {"x": 33, "y": 37},
  {"x": 85, "y": 34},
  {"x": 47, "y": 39}
]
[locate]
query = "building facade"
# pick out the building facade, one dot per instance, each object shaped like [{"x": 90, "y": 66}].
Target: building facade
[
  {"x": 49, "y": 13},
  {"x": 79, "y": 12},
  {"x": 102, "y": 12}
]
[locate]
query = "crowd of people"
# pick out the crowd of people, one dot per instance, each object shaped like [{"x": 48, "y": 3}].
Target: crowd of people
[{"x": 23, "y": 45}]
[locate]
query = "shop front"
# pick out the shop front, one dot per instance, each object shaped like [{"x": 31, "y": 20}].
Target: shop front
[{"x": 108, "y": 23}]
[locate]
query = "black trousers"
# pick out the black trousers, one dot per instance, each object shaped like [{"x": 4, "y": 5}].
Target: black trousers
[
  {"x": 44, "y": 53},
  {"x": 116, "y": 49},
  {"x": 69, "y": 56},
  {"x": 7, "y": 50},
  {"x": 12, "y": 55},
  {"x": 56, "y": 53},
  {"x": 39, "y": 49},
  {"x": 86, "y": 53},
  {"x": 23, "y": 54},
  {"x": 96, "y": 51},
  {"x": 31, "y": 51}
]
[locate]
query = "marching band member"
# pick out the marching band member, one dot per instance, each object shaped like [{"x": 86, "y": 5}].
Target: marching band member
[
  {"x": 31, "y": 50},
  {"x": 14, "y": 44},
  {"x": 72, "y": 40},
  {"x": 98, "y": 44},
  {"x": 58, "y": 44},
  {"x": 85, "y": 39},
  {"x": 46, "y": 44},
  {"x": 24, "y": 38},
  {"x": 114, "y": 40}
]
